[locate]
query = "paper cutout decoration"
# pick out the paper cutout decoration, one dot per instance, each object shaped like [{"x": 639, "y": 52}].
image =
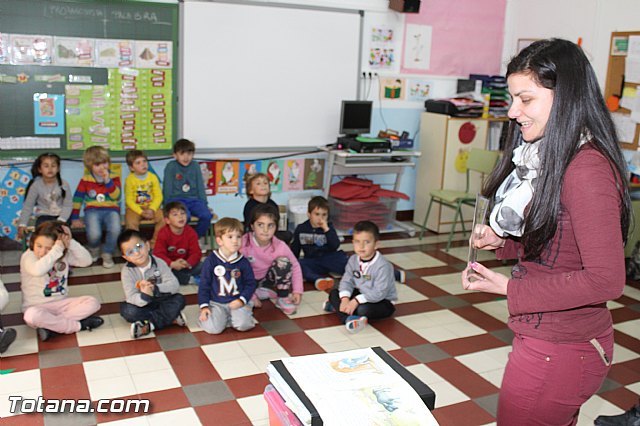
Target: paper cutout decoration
[
  {"x": 30, "y": 49},
  {"x": 12, "y": 192},
  {"x": 73, "y": 51},
  {"x": 115, "y": 53},
  {"x": 154, "y": 54},
  {"x": 48, "y": 114},
  {"x": 313, "y": 173},
  {"x": 208, "y": 169},
  {"x": 274, "y": 171},
  {"x": 392, "y": 89},
  {"x": 248, "y": 169},
  {"x": 293, "y": 175},
  {"x": 227, "y": 175}
]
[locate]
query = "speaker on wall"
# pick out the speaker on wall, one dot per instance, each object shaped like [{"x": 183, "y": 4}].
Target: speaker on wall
[{"x": 405, "y": 6}]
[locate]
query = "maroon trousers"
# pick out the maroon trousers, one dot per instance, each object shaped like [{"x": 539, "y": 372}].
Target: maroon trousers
[{"x": 545, "y": 383}]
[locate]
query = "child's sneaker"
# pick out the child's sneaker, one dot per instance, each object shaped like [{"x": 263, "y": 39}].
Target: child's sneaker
[
  {"x": 264, "y": 293},
  {"x": 324, "y": 284},
  {"x": 141, "y": 328},
  {"x": 91, "y": 322},
  {"x": 181, "y": 319},
  {"x": 355, "y": 323},
  {"x": 107, "y": 260},
  {"x": 7, "y": 336},
  {"x": 328, "y": 307},
  {"x": 286, "y": 305},
  {"x": 400, "y": 275}
]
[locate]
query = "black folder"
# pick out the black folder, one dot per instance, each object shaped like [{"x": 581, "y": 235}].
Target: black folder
[{"x": 427, "y": 395}]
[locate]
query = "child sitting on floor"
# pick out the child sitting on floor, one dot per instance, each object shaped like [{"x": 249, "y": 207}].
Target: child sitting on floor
[
  {"x": 44, "y": 277},
  {"x": 227, "y": 283},
  {"x": 259, "y": 193},
  {"x": 151, "y": 290},
  {"x": 276, "y": 269},
  {"x": 367, "y": 289}
]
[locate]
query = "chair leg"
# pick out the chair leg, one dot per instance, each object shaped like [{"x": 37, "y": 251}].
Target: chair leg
[
  {"x": 424, "y": 222},
  {"x": 453, "y": 226}
]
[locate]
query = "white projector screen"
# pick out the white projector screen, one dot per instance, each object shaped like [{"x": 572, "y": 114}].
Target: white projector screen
[{"x": 265, "y": 77}]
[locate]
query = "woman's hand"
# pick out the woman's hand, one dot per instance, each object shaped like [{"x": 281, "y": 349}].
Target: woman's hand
[
  {"x": 485, "y": 238},
  {"x": 477, "y": 277}
]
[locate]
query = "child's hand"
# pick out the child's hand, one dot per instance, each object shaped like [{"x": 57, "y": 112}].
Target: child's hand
[
  {"x": 351, "y": 307},
  {"x": 77, "y": 223},
  {"x": 296, "y": 298},
  {"x": 65, "y": 239},
  {"x": 177, "y": 264},
  {"x": 148, "y": 214},
  {"x": 204, "y": 314},
  {"x": 344, "y": 304},
  {"x": 145, "y": 287},
  {"x": 325, "y": 225},
  {"x": 236, "y": 304}
]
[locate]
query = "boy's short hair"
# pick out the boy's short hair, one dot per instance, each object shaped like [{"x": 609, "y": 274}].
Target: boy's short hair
[
  {"x": 265, "y": 209},
  {"x": 184, "y": 145},
  {"x": 318, "y": 202},
  {"x": 174, "y": 205},
  {"x": 133, "y": 155},
  {"x": 129, "y": 234},
  {"x": 95, "y": 155},
  {"x": 252, "y": 179},
  {"x": 367, "y": 226},
  {"x": 227, "y": 224}
]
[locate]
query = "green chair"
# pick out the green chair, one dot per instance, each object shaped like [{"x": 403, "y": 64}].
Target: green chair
[{"x": 481, "y": 161}]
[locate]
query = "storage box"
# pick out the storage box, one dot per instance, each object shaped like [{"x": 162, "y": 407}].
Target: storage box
[
  {"x": 279, "y": 413},
  {"x": 297, "y": 211},
  {"x": 345, "y": 214}
]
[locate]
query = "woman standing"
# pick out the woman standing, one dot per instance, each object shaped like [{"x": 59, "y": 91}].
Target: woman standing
[{"x": 561, "y": 206}]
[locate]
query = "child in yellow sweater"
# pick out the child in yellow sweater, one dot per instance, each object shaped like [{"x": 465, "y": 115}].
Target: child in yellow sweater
[{"x": 143, "y": 194}]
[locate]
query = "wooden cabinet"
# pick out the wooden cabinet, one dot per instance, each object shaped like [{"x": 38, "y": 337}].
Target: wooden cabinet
[{"x": 444, "y": 144}]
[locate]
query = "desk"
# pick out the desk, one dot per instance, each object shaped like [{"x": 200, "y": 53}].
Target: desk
[{"x": 345, "y": 163}]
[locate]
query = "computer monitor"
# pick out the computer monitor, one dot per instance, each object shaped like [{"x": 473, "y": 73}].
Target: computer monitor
[{"x": 355, "y": 117}]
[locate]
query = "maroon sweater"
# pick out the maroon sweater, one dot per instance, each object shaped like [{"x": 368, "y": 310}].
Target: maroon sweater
[{"x": 562, "y": 296}]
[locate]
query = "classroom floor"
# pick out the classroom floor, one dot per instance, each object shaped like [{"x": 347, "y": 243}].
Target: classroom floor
[{"x": 455, "y": 341}]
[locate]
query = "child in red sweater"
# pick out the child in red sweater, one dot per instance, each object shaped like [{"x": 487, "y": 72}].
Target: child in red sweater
[{"x": 177, "y": 244}]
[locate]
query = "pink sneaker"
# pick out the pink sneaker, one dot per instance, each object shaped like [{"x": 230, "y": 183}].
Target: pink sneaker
[
  {"x": 264, "y": 293},
  {"x": 286, "y": 305}
]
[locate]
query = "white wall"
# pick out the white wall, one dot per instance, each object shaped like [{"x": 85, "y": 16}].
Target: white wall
[{"x": 593, "y": 20}]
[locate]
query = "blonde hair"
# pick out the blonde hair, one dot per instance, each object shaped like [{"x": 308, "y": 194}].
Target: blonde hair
[
  {"x": 95, "y": 155},
  {"x": 255, "y": 177},
  {"x": 227, "y": 224}
]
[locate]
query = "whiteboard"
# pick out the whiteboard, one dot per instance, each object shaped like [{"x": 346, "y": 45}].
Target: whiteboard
[{"x": 261, "y": 77}]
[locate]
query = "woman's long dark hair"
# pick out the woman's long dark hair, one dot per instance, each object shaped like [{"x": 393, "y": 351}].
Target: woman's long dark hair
[
  {"x": 35, "y": 172},
  {"x": 578, "y": 105}
]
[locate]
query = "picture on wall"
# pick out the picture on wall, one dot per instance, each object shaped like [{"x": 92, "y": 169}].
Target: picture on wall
[
  {"x": 227, "y": 175},
  {"x": 293, "y": 175},
  {"x": 418, "y": 90},
  {"x": 273, "y": 170},
  {"x": 30, "y": 49},
  {"x": 4, "y": 48},
  {"x": 114, "y": 53},
  {"x": 382, "y": 48},
  {"x": 208, "y": 169},
  {"x": 48, "y": 114},
  {"x": 392, "y": 88},
  {"x": 313, "y": 173},
  {"x": 12, "y": 192},
  {"x": 73, "y": 51},
  {"x": 417, "y": 47},
  {"x": 248, "y": 169}
]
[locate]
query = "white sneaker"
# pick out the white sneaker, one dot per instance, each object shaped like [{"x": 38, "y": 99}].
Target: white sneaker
[
  {"x": 107, "y": 261},
  {"x": 181, "y": 319}
]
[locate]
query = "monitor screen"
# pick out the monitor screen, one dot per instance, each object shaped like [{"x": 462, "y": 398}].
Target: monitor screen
[{"x": 355, "y": 117}]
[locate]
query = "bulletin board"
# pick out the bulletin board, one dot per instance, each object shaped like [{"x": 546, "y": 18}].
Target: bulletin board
[
  {"x": 75, "y": 83},
  {"x": 615, "y": 78}
]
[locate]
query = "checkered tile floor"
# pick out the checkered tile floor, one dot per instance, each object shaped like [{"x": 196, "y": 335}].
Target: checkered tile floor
[{"x": 455, "y": 341}]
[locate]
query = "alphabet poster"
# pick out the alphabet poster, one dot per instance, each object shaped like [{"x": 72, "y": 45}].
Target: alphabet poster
[
  {"x": 293, "y": 175},
  {"x": 227, "y": 175},
  {"x": 313, "y": 173}
]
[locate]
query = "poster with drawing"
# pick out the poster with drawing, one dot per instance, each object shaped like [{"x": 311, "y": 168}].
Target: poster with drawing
[
  {"x": 382, "y": 48},
  {"x": 313, "y": 173},
  {"x": 417, "y": 47},
  {"x": 30, "y": 49},
  {"x": 154, "y": 54},
  {"x": 274, "y": 171},
  {"x": 293, "y": 175},
  {"x": 114, "y": 53},
  {"x": 227, "y": 174},
  {"x": 392, "y": 89},
  {"x": 12, "y": 192},
  {"x": 382, "y": 42},
  {"x": 73, "y": 51},
  {"x": 419, "y": 90},
  {"x": 208, "y": 169},
  {"x": 248, "y": 169}
]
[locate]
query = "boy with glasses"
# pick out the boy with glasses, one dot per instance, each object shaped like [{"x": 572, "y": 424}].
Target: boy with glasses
[{"x": 151, "y": 290}]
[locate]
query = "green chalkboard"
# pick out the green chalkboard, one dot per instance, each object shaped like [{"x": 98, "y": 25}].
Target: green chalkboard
[{"x": 100, "y": 19}]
